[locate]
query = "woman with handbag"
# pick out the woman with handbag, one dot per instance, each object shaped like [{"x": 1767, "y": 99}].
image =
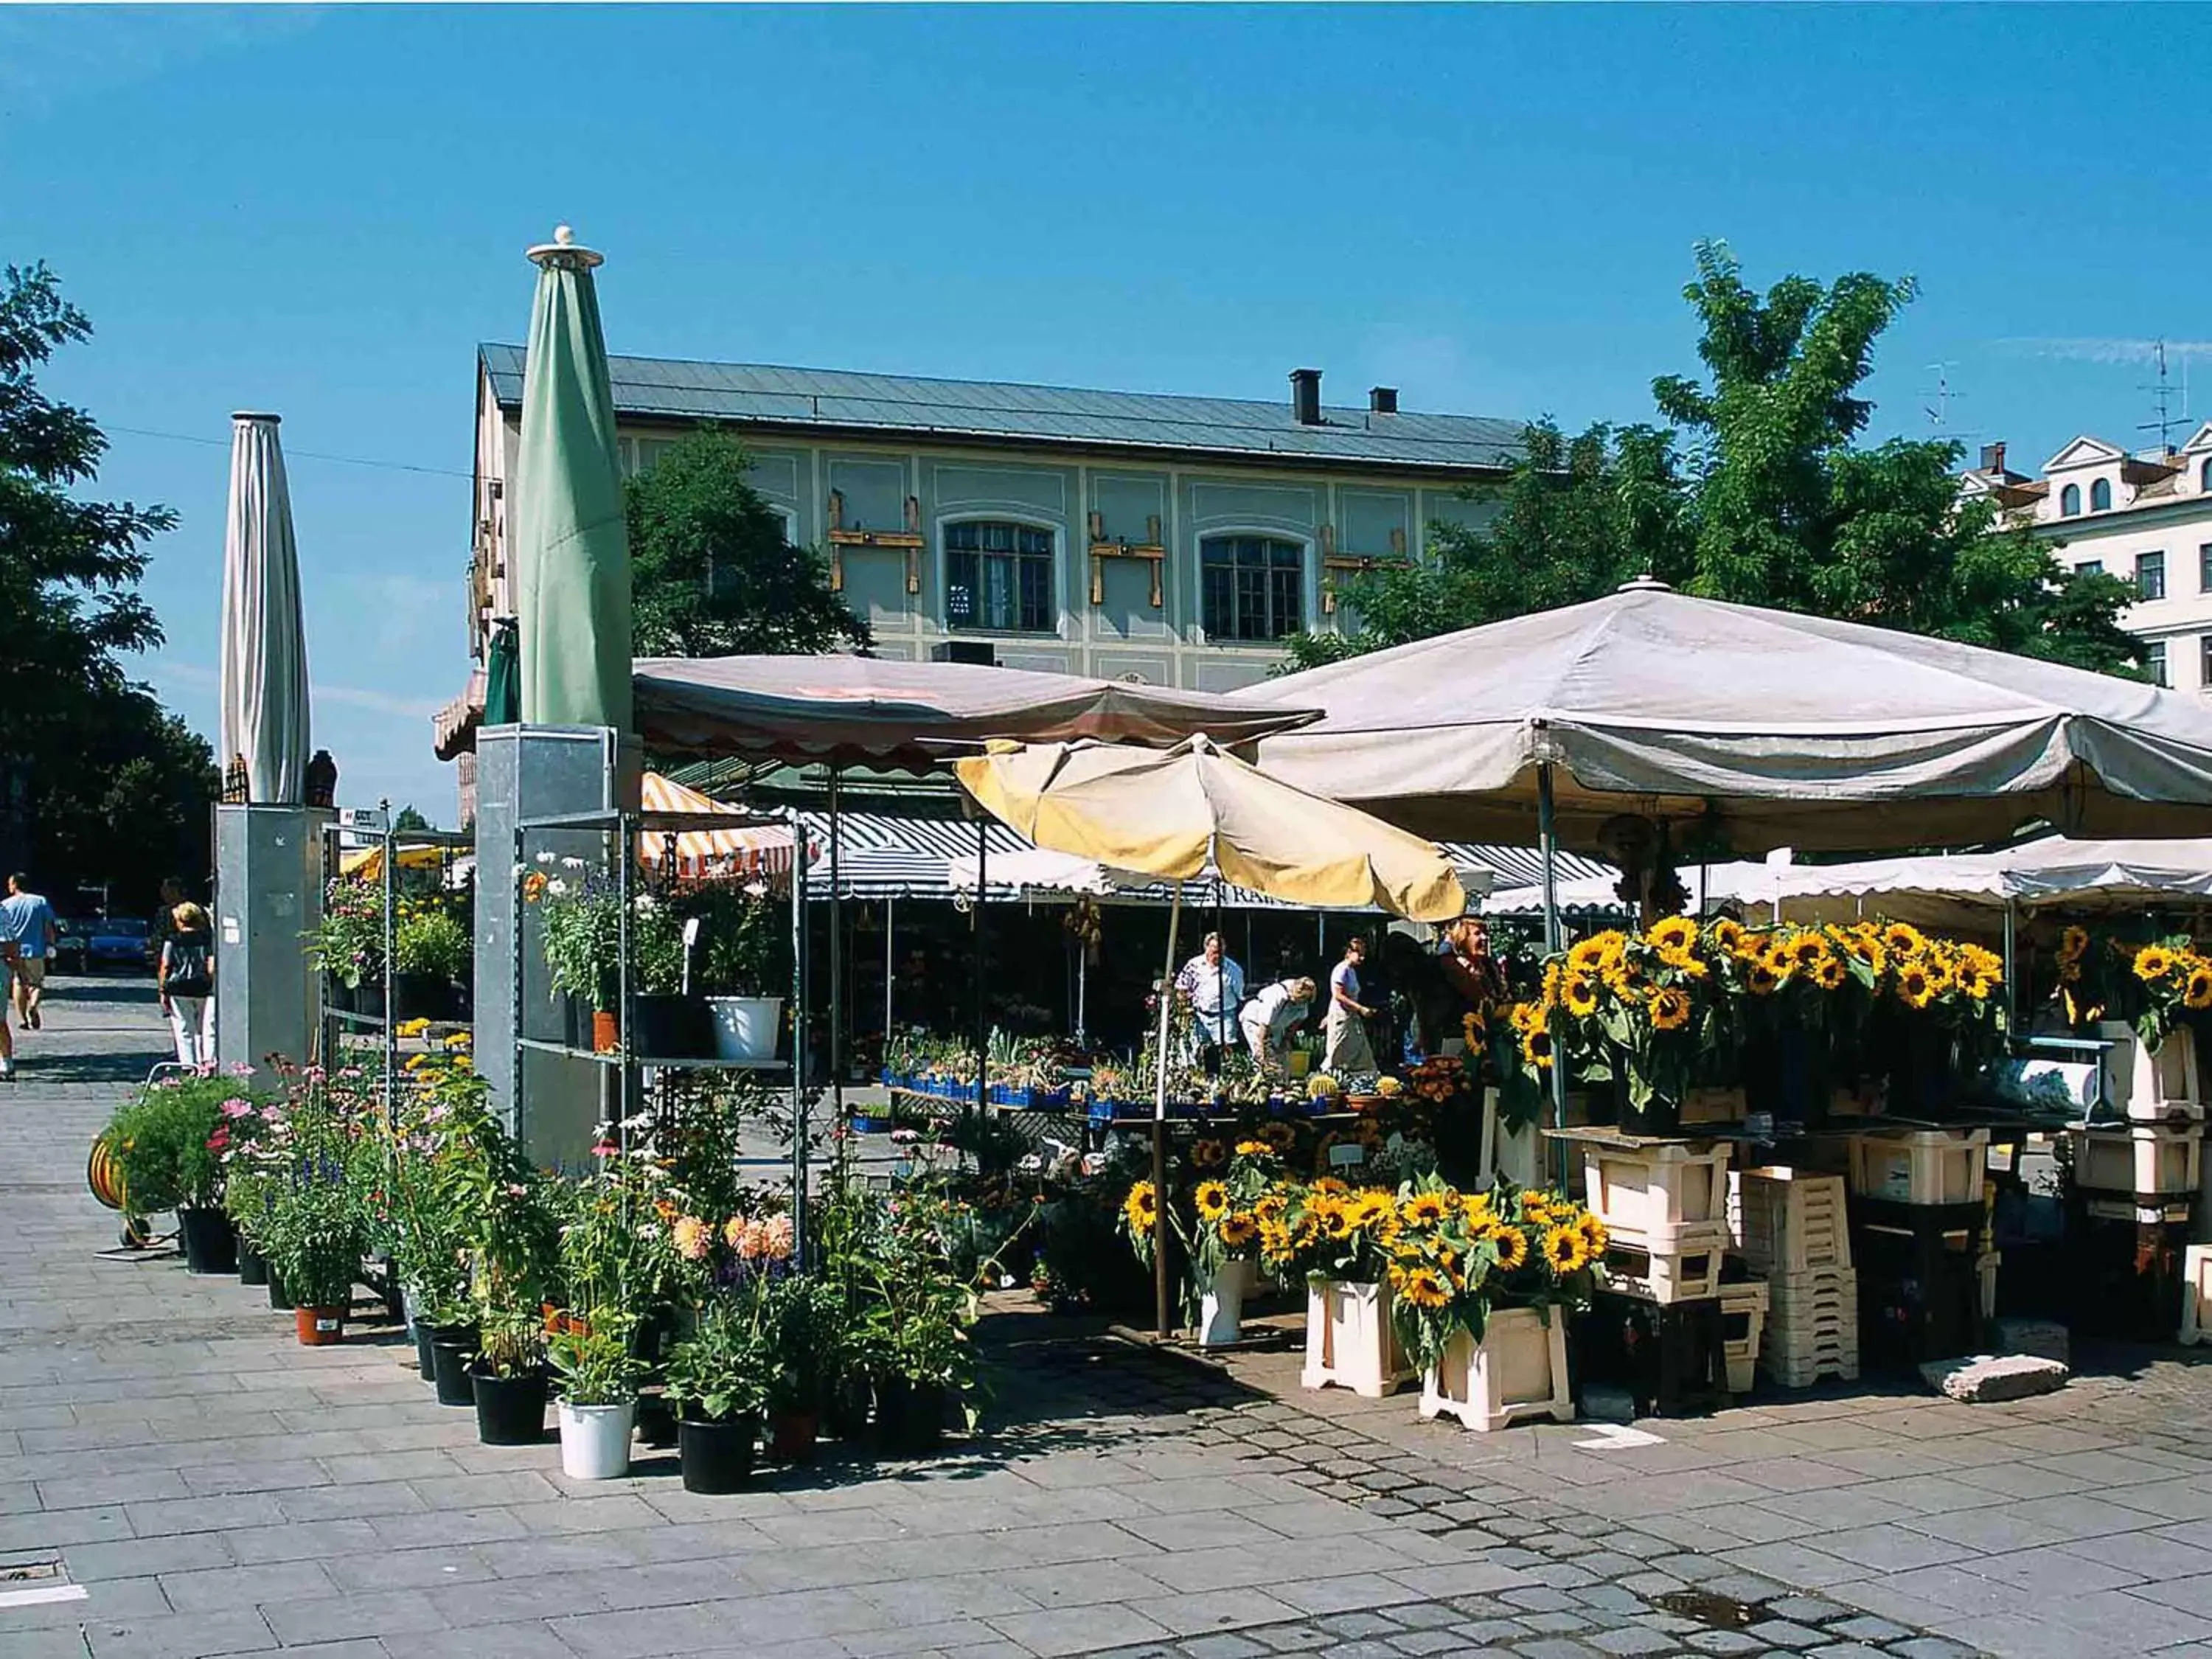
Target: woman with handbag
[{"x": 185, "y": 980}]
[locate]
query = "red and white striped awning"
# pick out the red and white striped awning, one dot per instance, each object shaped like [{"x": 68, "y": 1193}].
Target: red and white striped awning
[{"x": 758, "y": 850}]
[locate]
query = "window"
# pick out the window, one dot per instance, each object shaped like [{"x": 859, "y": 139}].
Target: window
[
  {"x": 2204, "y": 662},
  {"x": 2090, "y": 568},
  {"x": 999, "y": 575},
  {"x": 2204, "y": 476},
  {"x": 2155, "y": 661},
  {"x": 2204, "y": 572},
  {"x": 2150, "y": 576},
  {"x": 2101, "y": 496},
  {"x": 2070, "y": 502},
  {"x": 1253, "y": 587}
]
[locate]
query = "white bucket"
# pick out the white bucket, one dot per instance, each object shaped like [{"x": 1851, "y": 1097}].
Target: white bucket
[
  {"x": 746, "y": 1028},
  {"x": 595, "y": 1440}
]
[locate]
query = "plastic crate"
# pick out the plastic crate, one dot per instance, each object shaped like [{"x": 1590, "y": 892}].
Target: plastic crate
[
  {"x": 1663, "y": 1276},
  {"x": 1985, "y": 1269},
  {"x": 2150, "y": 1086},
  {"x": 1743, "y": 1319},
  {"x": 1812, "y": 1328},
  {"x": 2140, "y": 1159},
  {"x": 1919, "y": 1166},
  {"x": 2195, "y": 1294},
  {"x": 1786, "y": 1221},
  {"x": 1672, "y": 1357},
  {"x": 1666, "y": 1197}
]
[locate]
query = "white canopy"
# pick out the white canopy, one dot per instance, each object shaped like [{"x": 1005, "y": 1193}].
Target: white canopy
[
  {"x": 1778, "y": 729},
  {"x": 264, "y": 716}
]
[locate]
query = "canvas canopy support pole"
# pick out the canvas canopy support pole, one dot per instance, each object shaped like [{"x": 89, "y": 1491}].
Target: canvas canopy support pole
[
  {"x": 1163, "y": 1317},
  {"x": 1547, "y": 842},
  {"x": 2011, "y": 965},
  {"x": 983, "y": 1011},
  {"x": 891, "y": 927},
  {"x": 799, "y": 1114},
  {"x": 391, "y": 1044},
  {"x": 838, "y": 1014}
]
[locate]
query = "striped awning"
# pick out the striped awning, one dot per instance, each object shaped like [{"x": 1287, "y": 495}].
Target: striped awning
[{"x": 756, "y": 850}]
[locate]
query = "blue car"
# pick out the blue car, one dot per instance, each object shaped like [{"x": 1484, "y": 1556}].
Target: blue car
[{"x": 118, "y": 942}]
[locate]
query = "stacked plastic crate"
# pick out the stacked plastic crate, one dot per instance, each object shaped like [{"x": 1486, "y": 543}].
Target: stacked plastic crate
[
  {"x": 2134, "y": 1190},
  {"x": 1792, "y": 1229},
  {"x": 1920, "y": 1225},
  {"x": 1659, "y": 1318}
]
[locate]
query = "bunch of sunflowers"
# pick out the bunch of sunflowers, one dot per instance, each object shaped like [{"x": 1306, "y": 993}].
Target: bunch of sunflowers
[
  {"x": 1455, "y": 1257},
  {"x": 2153, "y": 984}
]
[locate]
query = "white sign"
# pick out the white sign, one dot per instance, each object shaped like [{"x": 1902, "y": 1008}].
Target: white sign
[
  {"x": 1345, "y": 1153},
  {"x": 371, "y": 820}
]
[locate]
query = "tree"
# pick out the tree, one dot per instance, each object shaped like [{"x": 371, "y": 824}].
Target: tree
[
  {"x": 1757, "y": 492},
  {"x": 711, "y": 572},
  {"x": 408, "y": 818},
  {"x": 117, "y": 788}
]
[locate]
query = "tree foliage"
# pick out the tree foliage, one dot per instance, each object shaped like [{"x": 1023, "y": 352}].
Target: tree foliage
[
  {"x": 710, "y": 570},
  {"x": 1756, "y": 491},
  {"x": 118, "y": 789}
]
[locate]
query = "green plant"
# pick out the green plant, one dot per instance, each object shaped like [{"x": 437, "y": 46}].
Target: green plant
[
  {"x": 430, "y": 939},
  {"x": 746, "y": 944},
  {"x": 595, "y": 1360},
  {"x": 723, "y": 1369},
  {"x": 168, "y": 1140},
  {"x": 314, "y": 1229},
  {"x": 347, "y": 943},
  {"x": 511, "y": 1343},
  {"x": 808, "y": 1348},
  {"x": 579, "y": 917},
  {"x": 656, "y": 946},
  {"x": 918, "y": 1309}
]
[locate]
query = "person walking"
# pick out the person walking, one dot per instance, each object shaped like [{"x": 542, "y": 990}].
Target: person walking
[
  {"x": 185, "y": 980},
  {"x": 1214, "y": 983},
  {"x": 7, "y": 995},
  {"x": 28, "y": 920},
  {"x": 1347, "y": 1050},
  {"x": 1267, "y": 1019}
]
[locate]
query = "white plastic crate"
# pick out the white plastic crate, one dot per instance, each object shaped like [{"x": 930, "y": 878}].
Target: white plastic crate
[
  {"x": 1987, "y": 1266},
  {"x": 1746, "y": 1302},
  {"x": 1919, "y": 1166},
  {"x": 1803, "y": 1371},
  {"x": 1689, "y": 1275},
  {"x": 2196, "y": 1294},
  {"x": 1518, "y": 1369},
  {"x": 1786, "y": 1221},
  {"x": 2150, "y": 1086},
  {"x": 1704, "y": 1106},
  {"x": 1664, "y": 1196},
  {"x": 2158, "y": 1212},
  {"x": 2139, "y": 1158},
  {"x": 1812, "y": 1328}
]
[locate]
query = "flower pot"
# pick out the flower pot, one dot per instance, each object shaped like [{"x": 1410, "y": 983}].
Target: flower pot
[
  {"x": 717, "y": 1454},
  {"x": 318, "y": 1328},
  {"x": 746, "y": 1028},
  {"x": 845, "y": 1413},
  {"x": 426, "y": 996},
  {"x": 792, "y": 1437},
  {"x": 1350, "y": 1340},
  {"x": 451, "y": 1348},
  {"x": 279, "y": 1297},
  {"x": 252, "y": 1265},
  {"x": 671, "y": 1027},
  {"x": 1221, "y": 1303},
  {"x": 655, "y": 1419},
  {"x": 595, "y": 1440},
  {"x": 606, "y": 1031},
  {"x": 210, "y": 1241},
  {"x": 368, "y": 997},
  {"x": 1518, "y": 1369},
  {"x": 910, "y": 1417},
  {"x": 510, "y": 1410},
  {"x": 425, "y": 1362}
]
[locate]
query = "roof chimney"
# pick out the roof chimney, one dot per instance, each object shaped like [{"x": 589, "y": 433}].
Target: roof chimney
[
  {"x": 1383, "y": 400},
  {"x": 1993, "y": 458},
  {"x": 1305, "y": 396}
]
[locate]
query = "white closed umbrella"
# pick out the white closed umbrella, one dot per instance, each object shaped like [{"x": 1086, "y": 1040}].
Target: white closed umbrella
[{"x": 265, "y": 645}]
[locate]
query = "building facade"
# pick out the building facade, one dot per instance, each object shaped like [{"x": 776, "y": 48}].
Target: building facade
[{"x": 2144, "y": 516}]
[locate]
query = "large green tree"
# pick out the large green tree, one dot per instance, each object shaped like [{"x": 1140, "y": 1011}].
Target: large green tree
[
  {"x": 1756, "y": 491},
  {"x": 711, "y": 572},
  {"x": 109, "y": 785}
]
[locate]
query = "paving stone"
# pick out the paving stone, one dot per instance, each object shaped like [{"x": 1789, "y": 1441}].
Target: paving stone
[
  {"x": 1805, "y": 1609},
  {"x": 1349, "y": 1626},
  {"x": 1490, "y": 1632},
  {"x": 1865, "y": 1628},
  {"x": 1227, "y": 1646},
  {"x": 1426, "y": 1615},
  {"x": 1782, "y": 1633},
  {"x": 1729, "y": 1642},
  {"x": 1557, "y": 1623},
  {"x": 1631, "y": 1640},
  {"x": 1844, "y": 1651},
  {"x": 1424, "y": 1642},
  {"x": 1554, "y": 1647}
]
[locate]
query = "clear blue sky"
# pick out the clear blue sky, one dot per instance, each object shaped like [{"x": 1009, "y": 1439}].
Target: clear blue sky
[{"x": 321, "y": 213}]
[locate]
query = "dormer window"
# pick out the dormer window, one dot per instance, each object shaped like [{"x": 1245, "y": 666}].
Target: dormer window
[
  {"x": 2101, "y": 496},
  {"x": 2070, "y": 502}
]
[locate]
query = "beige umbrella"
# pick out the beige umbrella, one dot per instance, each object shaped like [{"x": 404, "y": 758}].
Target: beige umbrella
[{"x": 1182, "y": 812}]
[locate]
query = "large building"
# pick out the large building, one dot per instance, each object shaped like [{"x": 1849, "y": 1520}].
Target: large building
[
  {"x": 1172, "y": 540},
  {"x": 2147, "y": 517}
]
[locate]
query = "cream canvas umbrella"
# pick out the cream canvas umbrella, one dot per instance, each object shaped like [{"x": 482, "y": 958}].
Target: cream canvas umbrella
[
  {"x": 1184, "y": 812},
  {"x": 264, "y": 648}
]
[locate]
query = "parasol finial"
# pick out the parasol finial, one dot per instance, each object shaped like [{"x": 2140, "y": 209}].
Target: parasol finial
[{"x": 563, "y": 251}]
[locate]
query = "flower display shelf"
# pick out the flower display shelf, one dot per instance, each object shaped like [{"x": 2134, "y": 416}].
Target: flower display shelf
[
  {"x": 1743, "y": 1317},
  {"x": 2151, "y": 1087},
  {"x": 1519, "y": 1369},
  {"x": 2141, "y": 1158},
  {"x": 1665, "y": 1197},
  {"x": 1919, "y": 1166},
  {"x": 1350, "y": 1340},
  {"x": 2195, "y": 1294}
]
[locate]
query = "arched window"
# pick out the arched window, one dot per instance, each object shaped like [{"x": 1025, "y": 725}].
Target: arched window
[
  {"x": 2101, "y": 496},
  {"x": 2069, "y": 501},
  {"x": 2204, "y": 478},
  {"x": 1253, "y": 587},
  {"x": 998, "y": 576}
]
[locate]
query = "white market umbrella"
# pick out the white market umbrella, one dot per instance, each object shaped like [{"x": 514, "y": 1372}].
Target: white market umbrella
[{"x": 264, "y": 717}]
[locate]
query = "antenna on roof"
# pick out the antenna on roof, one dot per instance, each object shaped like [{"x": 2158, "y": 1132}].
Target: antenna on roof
[{"x": 2161, "y": 393}]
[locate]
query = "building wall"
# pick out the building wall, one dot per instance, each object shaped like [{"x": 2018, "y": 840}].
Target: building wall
[{"x": 1123, "y": 636}]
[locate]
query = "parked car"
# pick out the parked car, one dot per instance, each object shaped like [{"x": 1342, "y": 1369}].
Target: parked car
[
  {"x": 75, "y": 933},
  {"x": 118, "y": 942}
]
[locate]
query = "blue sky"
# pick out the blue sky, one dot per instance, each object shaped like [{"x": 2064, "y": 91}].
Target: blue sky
[{"x": 322, "y": 212}]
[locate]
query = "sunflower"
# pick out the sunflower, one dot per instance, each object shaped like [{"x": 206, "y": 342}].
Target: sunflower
[
  {"x": 1536, "y": 1049},
  {"x": 2153, "y": 962},
  {"x": 1141, "y": 1208},
  {"x": 1208, "y": 1154},
  {"x": 1761, "y": 981},
  {"x": 1331, "y": 1187},
  {"x": 2072, "y": 943},
  {"x": 1809, "y": 950},
  {"x": 2196, "y": 992},
  {"x": 1474, "y": 1210},
  {"x": 1523, "y": 1018},
  {"x": 1593, "y": 1231},
  {"x": 1916, "y": 985},
  {"x": 1675, "y": 933},
  {"x": 1670, "y": 1009},
  {"x": 1902, "y": 939},
  {"x": 1271, "y": 1206},
  {"x": 1274, "y": 1240},
  {"x": 1252, "y": 1149},
  {"x": 1595, "y": 951},
  {"x": 1212, "y": 1200},
  {"x": 1239, "y": 1228},
  {"x": 1512, "y": 1245},
  {"x": 1565, "y": 1250},
  {"x": 1421, "y": 1287},
  {"x": 1578, "y": 995},
  {"x": 1423, "y": 1209},
  {"x": 1726, "y": 933},
  {"x": 1279, "y": 1136},
  {"x": 1337, "y": 1222},
  {"x": 1534, "y": 1206},
  {"x": 1830, "y": 974}
]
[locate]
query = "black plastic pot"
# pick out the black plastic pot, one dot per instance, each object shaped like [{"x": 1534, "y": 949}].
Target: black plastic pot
[
  {"x": 910, "y": 1417},
  {"x": 368, "y": 997},
  {"x": 510, "y": 1410},
  {"x": 279, "y": 1297},
  {"x": 424, "y": 1361},
  {"x": 717, "y": 1456},
  {"x": 451, "y": 1348},
  {"x": 210, "y": 1241},
  {"x": 671, "y": 1028},
  {"x": 252, "y": 1265},
  {"x": 655, "y": 1419},
  {"x": 845, "y": 1411},
  {"x": 426, "y": 996}
]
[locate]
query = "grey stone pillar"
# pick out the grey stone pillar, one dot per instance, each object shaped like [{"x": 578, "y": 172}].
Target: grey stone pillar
[{"x": 269, "y": 891}]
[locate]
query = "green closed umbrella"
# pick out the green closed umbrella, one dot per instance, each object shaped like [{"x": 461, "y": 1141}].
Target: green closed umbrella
[
  {"x": 503, "y": 676},
  {"x": 572, "y": 552}
]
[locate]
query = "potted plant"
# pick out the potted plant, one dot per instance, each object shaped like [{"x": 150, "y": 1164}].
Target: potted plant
[
  {"x": 1227, "y": 1209},
  {"x": 580, "y": 920},
  {"x": 1333, "y": 1237},
  {"x": 169, "y": 1139},
  {"x": 508, "y": 1378},
  {"x": 314, "y": 1228},
  {"x": 670, "y": 1023},
  {"x": 806, "y": 1319},
  {"x": 917, "y": 1319},
  {"x": 747, "y": 963},
  {"x": 431, "y": 956},
  {"x": 718, "y": 1378},
  {"x": 347, "y": 944},
  {"x": 598, "y": 1371}
]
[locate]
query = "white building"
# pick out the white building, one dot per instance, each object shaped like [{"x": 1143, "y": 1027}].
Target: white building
[{"x": 2145, "y": 517}]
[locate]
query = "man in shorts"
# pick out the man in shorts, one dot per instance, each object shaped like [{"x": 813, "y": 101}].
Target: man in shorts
[{"x": 28, "y": 920}]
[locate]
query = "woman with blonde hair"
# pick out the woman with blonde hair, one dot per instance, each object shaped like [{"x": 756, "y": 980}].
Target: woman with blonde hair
[
  {"x": 184, "y": 981},
  {"x": 1267, "y": 1019}
]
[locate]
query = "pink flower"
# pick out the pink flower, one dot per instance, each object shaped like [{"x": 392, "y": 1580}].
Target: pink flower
[
  {"x": 234, "y": 1107},
  {"x": 516, "y": 1189},
  {"x": 603, "y": 1148},
  {"x": 316, "y": 1074},
  {"x": 219, "y": 1139},
  {"x": 239, "y": 1068}
]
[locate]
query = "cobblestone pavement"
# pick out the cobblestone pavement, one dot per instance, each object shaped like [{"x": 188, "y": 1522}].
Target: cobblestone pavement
[{"x": 216, "y": 1489}]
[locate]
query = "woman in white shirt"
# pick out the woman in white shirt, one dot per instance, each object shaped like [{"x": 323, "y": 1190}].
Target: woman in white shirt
[
  {"x": 1347, "y": 1051},
  {"x": 1267, "y": 1019}
]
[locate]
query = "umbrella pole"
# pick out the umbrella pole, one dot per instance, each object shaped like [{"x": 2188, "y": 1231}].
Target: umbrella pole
[
  {"x": 1548, "y": 841},
  {"x": 836, "y": 971},
  {"x": 891, "y": 927},
  {"x": 2011, "y": 965},
  {"x": 1161, "y": 1315},
  {"x": 983, "y": 1012}
]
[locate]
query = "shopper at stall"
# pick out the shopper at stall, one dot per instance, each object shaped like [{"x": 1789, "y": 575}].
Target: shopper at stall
[
  {"x": 1214, "y": 983},
  {"x": 184, "y": 979},
  {"x": 1268, "y": 1018},
  {"x": 1347, "y": 1051}
]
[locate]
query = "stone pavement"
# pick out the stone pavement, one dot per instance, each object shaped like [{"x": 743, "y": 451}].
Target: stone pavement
[{"x": 217, "y": 1489}]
